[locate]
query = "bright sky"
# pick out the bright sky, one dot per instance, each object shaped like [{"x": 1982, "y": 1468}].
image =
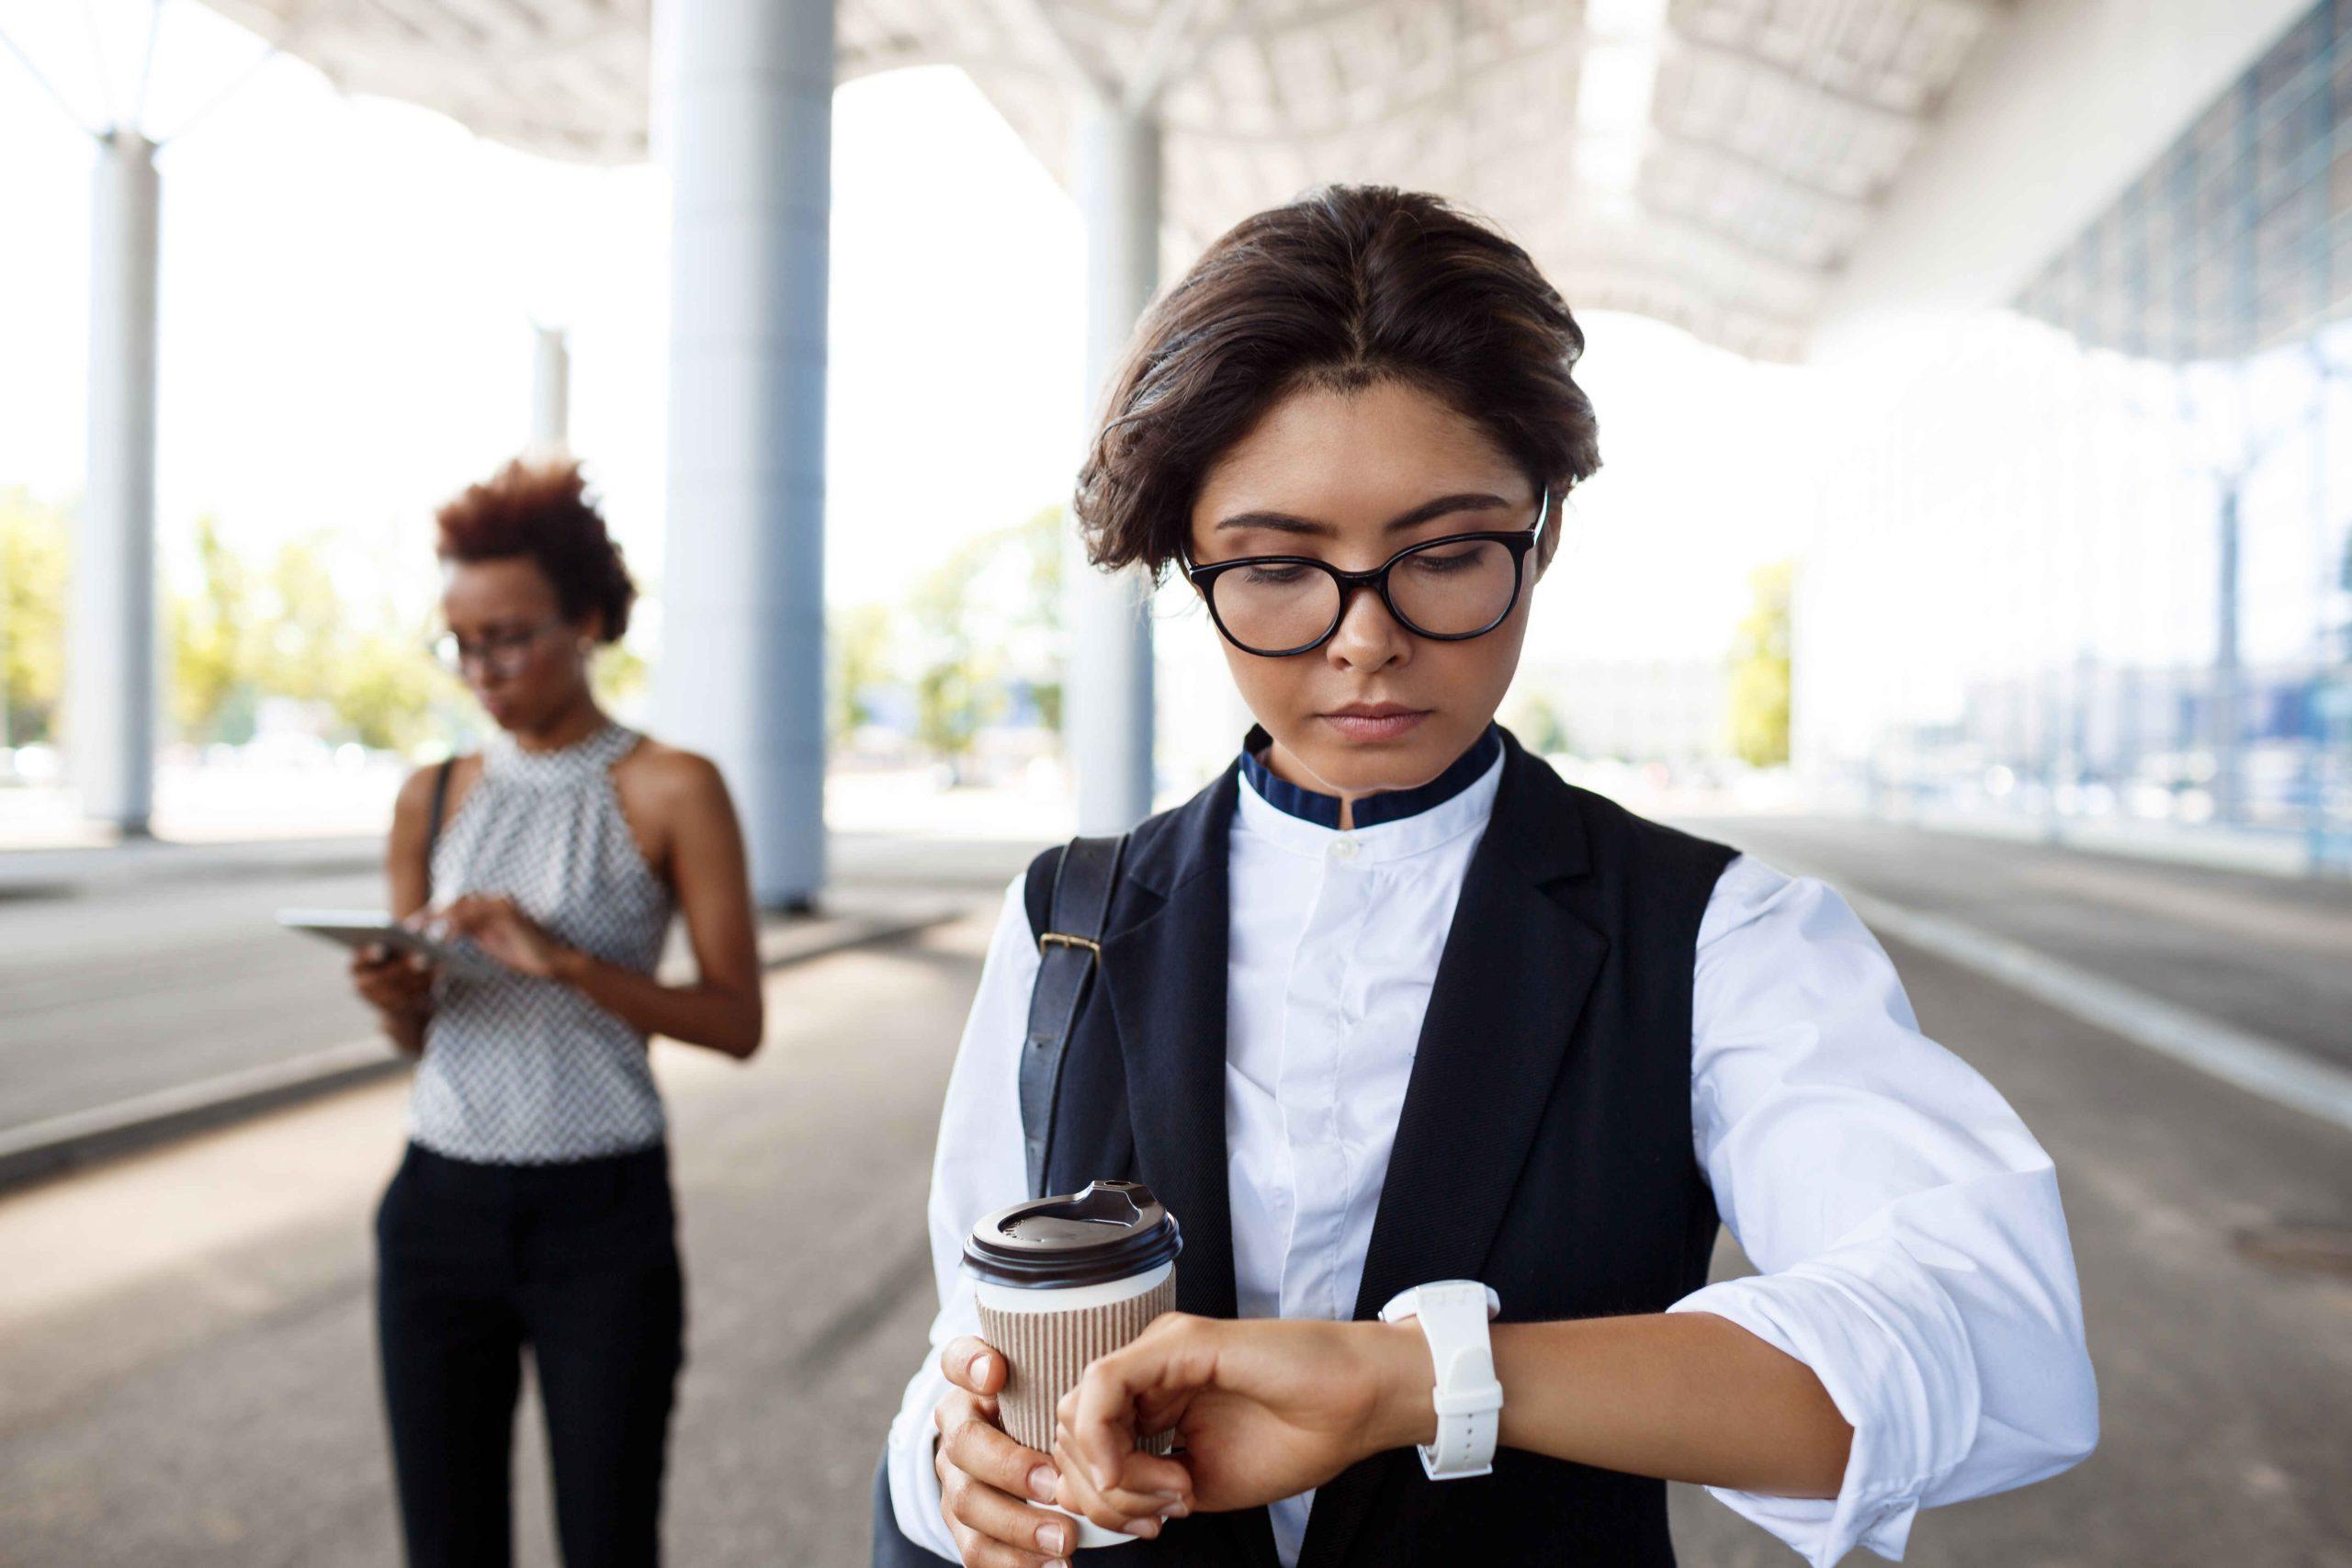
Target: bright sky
[{"x": 349, "y": 287}]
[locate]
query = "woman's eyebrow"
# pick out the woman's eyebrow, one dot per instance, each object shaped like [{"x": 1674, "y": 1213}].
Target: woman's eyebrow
[{"x": 1284, "y": 523}]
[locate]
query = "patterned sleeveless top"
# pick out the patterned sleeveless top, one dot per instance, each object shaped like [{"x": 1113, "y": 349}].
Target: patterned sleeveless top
[{"x": 519, "y": 1070}]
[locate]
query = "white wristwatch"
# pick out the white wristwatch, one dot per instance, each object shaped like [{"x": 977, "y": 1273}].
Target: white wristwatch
[{"x": 1453, "y": 1315}]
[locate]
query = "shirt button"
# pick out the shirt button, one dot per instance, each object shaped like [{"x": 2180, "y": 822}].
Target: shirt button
[{"x": 1344, "y": 848}]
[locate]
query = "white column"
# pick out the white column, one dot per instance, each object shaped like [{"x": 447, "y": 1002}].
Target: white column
[
  {"x": 550, "y": 392},
  {"x": 112, "y": 689},
  {"x": 1107, "y": 693},
  {"x": 741, "y": 677}
]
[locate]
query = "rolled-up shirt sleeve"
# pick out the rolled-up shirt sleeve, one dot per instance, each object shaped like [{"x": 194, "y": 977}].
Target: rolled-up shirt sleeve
[
  {"x": 976, "y": 1166},
  {"x": 1905, "y": 1224}
]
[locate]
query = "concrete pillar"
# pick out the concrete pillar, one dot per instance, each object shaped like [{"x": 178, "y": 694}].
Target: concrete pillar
[
  {"x": 112, "y": 689},
  {"x": 741, "y": 677},
  {"x": 1107, "y": 693},
  {"x": 551, "y": 393}
]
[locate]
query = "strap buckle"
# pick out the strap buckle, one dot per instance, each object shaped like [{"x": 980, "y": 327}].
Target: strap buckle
[{"x": 1066, "y": 940}]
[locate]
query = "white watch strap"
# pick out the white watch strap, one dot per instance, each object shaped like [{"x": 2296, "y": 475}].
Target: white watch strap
[{"x": 1454, "y": 1316}]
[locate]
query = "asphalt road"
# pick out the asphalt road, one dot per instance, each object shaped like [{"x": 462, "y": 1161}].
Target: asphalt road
[
  {"x": 2266, "y": 953},
  {"x": 186, "y": 1371},
  {"x": 120, "y": 980}
]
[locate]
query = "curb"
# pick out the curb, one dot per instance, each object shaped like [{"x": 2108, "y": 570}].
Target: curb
[{"x": 60, "y": 1144}]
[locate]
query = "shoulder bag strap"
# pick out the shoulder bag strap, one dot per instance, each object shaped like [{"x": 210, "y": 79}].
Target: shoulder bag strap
[
  {"x": 433, "y": 824},
  {"x": 1069, "y": 949}
]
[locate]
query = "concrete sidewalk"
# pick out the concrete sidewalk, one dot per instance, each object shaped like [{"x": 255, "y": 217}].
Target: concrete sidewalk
[
  {"x": 45, "y": 1148},
  {"x": 74, "y": 870}
]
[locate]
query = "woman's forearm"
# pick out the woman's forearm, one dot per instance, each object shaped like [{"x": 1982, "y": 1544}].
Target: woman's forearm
[
  {"x": 1684, "y": 1396},
  {"x": 715, "y": 1016}
]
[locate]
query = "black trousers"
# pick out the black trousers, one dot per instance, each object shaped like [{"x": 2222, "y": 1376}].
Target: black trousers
[{"x": 578, "y": 1260}]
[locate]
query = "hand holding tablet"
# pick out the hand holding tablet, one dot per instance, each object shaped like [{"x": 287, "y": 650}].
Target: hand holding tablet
[{"x": 365, "y": 927}]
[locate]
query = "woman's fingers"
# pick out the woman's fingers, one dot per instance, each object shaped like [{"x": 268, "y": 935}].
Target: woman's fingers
[
  {"x": 1080, "y": 1495},
  {"x": 1147, "y": 1484},
  {"x": 976, "y": 1445},
  {"x": 1147, "y": 1487},
  {"x": 982, "y": 1476},
  {"x": 1097, "y": 1418},
  {"x": 978, "y": 1552},
  {"x": 1037, "y": 1535},
  {"x": 970, "y": 1363}
]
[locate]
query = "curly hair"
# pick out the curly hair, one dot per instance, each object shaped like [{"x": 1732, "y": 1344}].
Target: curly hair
[
  {"x": 1347, "y": 286},
  {"x": 541, "y": 509}
]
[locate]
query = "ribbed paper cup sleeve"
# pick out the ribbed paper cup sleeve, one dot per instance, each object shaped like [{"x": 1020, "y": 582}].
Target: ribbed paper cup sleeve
[{"x": 1045, "y": 1353}]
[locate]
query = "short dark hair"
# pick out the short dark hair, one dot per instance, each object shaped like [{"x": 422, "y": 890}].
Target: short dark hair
[
  {"x": 541, "y": 509},
  {"x": 1345, "y": 287}
]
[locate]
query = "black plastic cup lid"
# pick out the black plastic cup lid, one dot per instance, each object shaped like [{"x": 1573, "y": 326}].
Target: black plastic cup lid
[{"x": 1114, "y": 1230}]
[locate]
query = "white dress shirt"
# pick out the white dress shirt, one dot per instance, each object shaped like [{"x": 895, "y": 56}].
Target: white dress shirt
[{"x": 1907, "y": 1225}]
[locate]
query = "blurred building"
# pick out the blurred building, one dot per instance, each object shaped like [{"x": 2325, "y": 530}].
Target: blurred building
[
  {"x": 2083, "y": 524},
  {"x": 2076, "y": 266},
  {"x": 1636, "y": 710}
]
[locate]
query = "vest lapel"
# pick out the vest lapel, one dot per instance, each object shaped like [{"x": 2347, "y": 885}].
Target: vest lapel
[
  {"x": 1166, "y": 976},
  {"x": 1510, "y": 982},
  {"x": 1166, "y": 973}
]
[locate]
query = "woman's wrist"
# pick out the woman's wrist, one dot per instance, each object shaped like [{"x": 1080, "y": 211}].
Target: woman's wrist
[
  {"x": 1404, "y": 1409},
  {"x": 570, "y": 965}
]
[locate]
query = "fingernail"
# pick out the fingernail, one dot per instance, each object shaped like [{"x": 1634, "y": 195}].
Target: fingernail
[
  {"x": 1049, "y": 1536},
  {"x": 1042, "y": 1482},
  {"x": 1147, "y": 1529},
  {"x": 1059, "y": 1562},
  {"x": 981, "y": 1367},
  {"x": 1175, "y": 1510}
]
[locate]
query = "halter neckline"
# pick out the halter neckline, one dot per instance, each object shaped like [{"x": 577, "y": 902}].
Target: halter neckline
[{"x": 504, "y": 758}]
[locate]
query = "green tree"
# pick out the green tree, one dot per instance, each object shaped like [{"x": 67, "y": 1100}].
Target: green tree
[
  {"x": 1041, "y": 613},
  {"x": 307, "y": 627},
  {"x": 1535, "y": 719},
  {"x": 36, "y": 542},
  {"x": 989, "y": 613},
  {"x": 382, "y": 693},
  {"x": 858, "y": 661},
  {"x": 215, "y": 648},
  {"x": 1759, "y": 670},
  {"x": 956, "y": 692}
]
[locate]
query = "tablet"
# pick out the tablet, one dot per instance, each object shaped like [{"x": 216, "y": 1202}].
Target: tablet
[{"x": 361, "y": 928}]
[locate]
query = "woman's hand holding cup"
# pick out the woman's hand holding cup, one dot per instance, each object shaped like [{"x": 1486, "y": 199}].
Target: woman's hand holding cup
[{"x": 984, "y": 1475}]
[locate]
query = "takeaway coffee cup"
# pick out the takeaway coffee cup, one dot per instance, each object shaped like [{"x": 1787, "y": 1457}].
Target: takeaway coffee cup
[{"x": 1061, "y": 1280}]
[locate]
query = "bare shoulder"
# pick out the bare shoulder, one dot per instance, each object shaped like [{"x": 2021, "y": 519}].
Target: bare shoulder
[
  {"x": 670, "y": 775},
  {"x": 415, "y": 797}
]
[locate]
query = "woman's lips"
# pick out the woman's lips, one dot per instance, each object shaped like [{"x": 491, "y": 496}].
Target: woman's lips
[{"x": 1369, "y": 726}]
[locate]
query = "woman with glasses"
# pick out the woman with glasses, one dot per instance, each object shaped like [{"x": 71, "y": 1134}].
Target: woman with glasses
[
  {"x": 1449, "y": 1070},
  {"x": 533, "y": 1206}
]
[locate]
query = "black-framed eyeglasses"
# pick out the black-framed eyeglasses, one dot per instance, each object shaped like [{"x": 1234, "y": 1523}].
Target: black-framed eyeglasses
[
  {"x": 1449, "y": 590},
  {"x": 503, "y": 655}
]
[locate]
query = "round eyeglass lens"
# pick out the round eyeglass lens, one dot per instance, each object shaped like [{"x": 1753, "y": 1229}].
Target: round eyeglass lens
[
  {"x": 1455, "y": 590},
  {"x": 1276, "y": 606}
]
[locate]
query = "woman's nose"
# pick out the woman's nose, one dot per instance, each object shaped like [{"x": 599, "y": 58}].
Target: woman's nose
[{"x": 1369, "y": 638}]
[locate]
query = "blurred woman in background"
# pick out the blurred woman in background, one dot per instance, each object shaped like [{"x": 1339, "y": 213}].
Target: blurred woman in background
[{"x": 533, "y": 1204}]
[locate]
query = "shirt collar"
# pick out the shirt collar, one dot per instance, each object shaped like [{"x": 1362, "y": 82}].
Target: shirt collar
[{"x": 1389, "y": 823}]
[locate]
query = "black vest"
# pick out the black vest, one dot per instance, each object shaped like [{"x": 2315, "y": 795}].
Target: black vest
[{"x": 1544, "y": 1147}]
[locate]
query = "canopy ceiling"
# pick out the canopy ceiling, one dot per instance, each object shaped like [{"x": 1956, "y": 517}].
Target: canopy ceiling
[{"x": 1711, "y": 162}]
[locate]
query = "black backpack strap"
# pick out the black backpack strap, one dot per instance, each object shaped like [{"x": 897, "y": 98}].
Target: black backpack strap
[
  {"x": 432, "y": 823},
  {"x": 1069, "y": 948}
]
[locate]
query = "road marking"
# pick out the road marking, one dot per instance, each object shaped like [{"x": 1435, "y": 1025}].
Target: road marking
[{"x": 2282, "y": 1073}]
